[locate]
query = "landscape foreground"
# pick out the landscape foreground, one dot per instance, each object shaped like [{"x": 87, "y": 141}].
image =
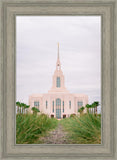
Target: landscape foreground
[{"x": 40, "y": 129}]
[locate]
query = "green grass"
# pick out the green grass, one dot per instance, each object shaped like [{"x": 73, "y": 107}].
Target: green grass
[
  {"x": 30, "y": 127},
  {"x": 83, "y": 130}
]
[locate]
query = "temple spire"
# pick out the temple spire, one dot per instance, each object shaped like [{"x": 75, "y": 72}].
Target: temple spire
[
  {"x": 58, "y": 77},
  {"x": 58, "y": 65},
  {"x": 58, "y": 50}
]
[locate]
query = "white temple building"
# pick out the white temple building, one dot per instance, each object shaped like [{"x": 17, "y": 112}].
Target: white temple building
[{"x": 58, "y": 102}]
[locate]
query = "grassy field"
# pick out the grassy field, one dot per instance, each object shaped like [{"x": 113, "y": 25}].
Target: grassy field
[
  {"x": 83, "y": 130},
  {"x": 30, "y": 127}
]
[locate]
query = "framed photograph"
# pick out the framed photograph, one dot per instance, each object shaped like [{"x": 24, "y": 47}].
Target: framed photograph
[
  {"x": 58, "y": 83},
  {"x": 41, "y": 67}
]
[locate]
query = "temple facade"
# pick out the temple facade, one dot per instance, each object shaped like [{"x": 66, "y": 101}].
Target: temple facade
[{"x": 58, "y": 102}]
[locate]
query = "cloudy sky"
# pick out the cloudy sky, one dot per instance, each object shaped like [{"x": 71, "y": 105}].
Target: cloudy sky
[{"x": 80, "y": 54}]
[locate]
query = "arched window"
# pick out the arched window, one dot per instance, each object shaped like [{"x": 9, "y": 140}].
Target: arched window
[
  {"x": 63, "y": 106},
  {"x": 58, "y": 108},
  {"x": 58, "y": 102},
  {"x": 63, "y": 103},
  {"x": 69, "y": 104},
  {"x": 36, "y": 104},
  {"x": 53, "y": 103},
  {"x": 46, "y": 104},
  {"x": 80, "y": 103},
  {"x": 53, "y": 106},
  {"x": 58, "y": 83}
]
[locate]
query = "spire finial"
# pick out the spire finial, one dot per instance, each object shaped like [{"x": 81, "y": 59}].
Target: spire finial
[
  {"x": 58, "y": 65},
  {"x": 58, "y": 50}
]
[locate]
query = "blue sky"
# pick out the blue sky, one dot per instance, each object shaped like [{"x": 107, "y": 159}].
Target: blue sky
[{"x": 80, "y": 54}]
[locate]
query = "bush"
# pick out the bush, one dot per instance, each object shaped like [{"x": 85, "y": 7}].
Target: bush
[
  {"x": 30, "y": 127},
  {"x": 84, "y": 130},
  {"x": 72, "y": 115}
]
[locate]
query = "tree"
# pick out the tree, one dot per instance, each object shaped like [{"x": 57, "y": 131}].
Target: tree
[
  {"x": 97, "y": 104},
  {"x": 94, "y": 105},
  {"x": 27, "y": 106},
  {"x": 18, "y": 104},
  {"x": 22, "y": 106},
  {"x": 35, "y": 110},
  {"x": 81, "y": 110},
  {"x": 88, "y": 106}
]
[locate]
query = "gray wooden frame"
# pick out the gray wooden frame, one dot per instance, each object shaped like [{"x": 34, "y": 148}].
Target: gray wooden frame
[{"x": 107, "y": 9}]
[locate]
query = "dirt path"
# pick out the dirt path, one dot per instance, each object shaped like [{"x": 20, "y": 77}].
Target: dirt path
[{"x": 57, "y": 136}]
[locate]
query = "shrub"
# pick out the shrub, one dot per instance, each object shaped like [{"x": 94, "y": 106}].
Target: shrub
[
  {"x": 84, "y": 130},
  {"x": 72, "y": 115},
  {"x": 35, "y": 110},
  {"x": 30, "y": 127}
]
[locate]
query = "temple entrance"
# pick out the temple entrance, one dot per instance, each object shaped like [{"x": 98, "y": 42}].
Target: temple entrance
[
  {"x": 58, "y": 108},
  {"x": 52, "y": 116},
  {"x": 64, "y": 116}
]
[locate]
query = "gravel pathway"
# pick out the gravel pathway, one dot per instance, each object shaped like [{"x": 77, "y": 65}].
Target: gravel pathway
[{"x": 57, "y": 136}]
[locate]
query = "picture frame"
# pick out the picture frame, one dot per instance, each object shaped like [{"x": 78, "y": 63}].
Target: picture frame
[{"x": 107, "y": 9}]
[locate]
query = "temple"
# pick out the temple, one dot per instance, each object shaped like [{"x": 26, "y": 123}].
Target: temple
[{"x": 58, "y": 102}]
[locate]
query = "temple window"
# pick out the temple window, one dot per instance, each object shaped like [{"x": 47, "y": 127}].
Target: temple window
[
  {"x": 58, "y": 82},
  {"x": 53, "y": 103},
  {"x": 63, "y": 109},
  {"x": 46, "y": 104},
  {"x": 79, "y": 103},
  {"x": 58, "y": 102},
  {"x": 53, "y": 106},
  {"x": 63, "y": 106},
  {"x": 36, "y": 104},
  {"x": 69, "y": 104},
  {"x": 63, "y": 103},
  {"x": 58, "y": 67}
]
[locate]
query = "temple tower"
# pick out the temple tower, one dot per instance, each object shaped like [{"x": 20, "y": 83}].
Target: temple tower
[{"x": 58, "y": 77}]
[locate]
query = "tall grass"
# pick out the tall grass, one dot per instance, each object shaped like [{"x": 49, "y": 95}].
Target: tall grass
[
  {"x": 83, "y": 130},
  {"x": 30, "y": 127}
]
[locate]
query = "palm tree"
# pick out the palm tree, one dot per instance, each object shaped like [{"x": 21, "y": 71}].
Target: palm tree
[
  {"x": 35, "y": 110},
  {"x": 92, "y": 109},
  {"x": 94, "y": 105},
  {"x": 27, "y": 106},
  {"x": 18, "y": 104},
  {"x": 88, "y": 106},
  {"x": 81, "y": 110},
  {"x": 22, "y": 106},
  {"x": 97, "y": 104}
]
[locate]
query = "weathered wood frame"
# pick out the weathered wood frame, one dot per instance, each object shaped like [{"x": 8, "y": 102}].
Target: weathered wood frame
[{"x": 107, "y": 9}]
